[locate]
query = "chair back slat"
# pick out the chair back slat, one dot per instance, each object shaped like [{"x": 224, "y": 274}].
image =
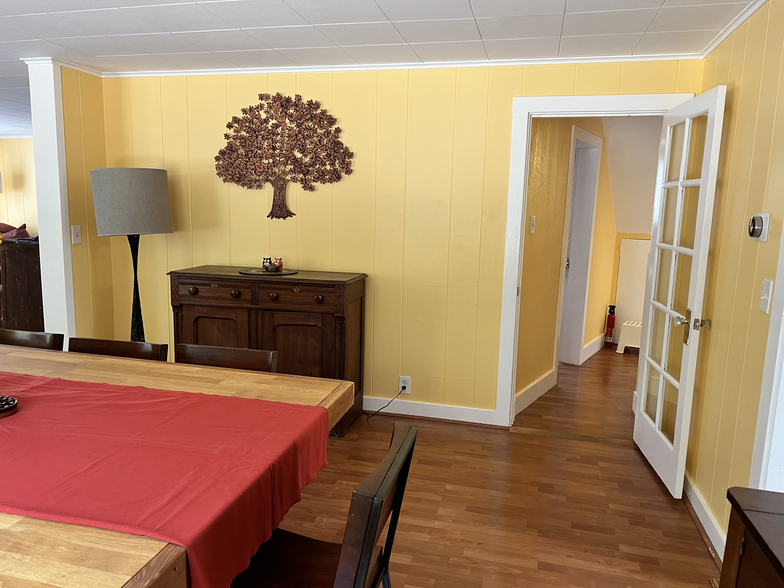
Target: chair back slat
[
  {"x": 129, "y": 349},
  {"x": 376, "y": 501},
  {"x": 32, "y": 339},
  {"x": 256, "y": 360}
]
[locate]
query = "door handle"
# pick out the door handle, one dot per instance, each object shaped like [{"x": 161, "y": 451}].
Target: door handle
[{"x": 685, "y": 322}]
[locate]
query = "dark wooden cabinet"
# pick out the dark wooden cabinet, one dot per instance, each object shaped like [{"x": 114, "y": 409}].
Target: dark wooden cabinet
[
  {"x": 754, "y": 553},
  {"x": 314, "y": 320},
  {"x": 21, "y": 299}
]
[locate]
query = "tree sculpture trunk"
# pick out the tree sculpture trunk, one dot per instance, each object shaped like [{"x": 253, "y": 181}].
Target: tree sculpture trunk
[{"x": 279, "y": 207}]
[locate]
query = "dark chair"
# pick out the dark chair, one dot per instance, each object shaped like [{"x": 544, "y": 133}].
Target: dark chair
[
  {"x": 31, "y": 339},
  {"x": 131, "y": 349},
  {"x": 292, "y": 561},
  {"x": 227, "y": 357}
]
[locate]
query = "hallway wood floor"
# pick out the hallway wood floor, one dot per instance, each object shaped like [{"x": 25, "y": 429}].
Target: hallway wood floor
[{"x": 564, "y": 499}]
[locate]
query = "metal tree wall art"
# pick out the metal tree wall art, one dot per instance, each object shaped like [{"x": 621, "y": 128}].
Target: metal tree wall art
[{"x": 282, "y": 140}]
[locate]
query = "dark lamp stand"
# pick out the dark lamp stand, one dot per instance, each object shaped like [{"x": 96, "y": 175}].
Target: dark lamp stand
[{"x": 137, "y": 324}]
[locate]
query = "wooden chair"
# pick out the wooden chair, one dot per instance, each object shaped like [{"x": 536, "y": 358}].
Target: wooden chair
[
  {"x": 32, "y": 339},
  {"x": 293, "y": 561},
  {"x": 227, "y": 357},
  {"x": 131, "y": 349}
]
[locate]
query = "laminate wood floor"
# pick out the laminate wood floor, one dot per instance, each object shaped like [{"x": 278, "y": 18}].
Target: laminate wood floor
[{"x": 563, "y": 499}]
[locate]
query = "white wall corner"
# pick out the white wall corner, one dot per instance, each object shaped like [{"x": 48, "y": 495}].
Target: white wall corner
[
  {"x": 591, "y": 348},
  {"x": 535, "y": 391},
  {"x": 428, "y": 410},
  {"x": 712, "y": 527},
  {"x": 46, "y": 102}
]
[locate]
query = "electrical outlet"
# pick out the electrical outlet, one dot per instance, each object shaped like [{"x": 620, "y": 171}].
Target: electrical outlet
[
  {"x": 76, "y": 234},
  {"x": 404, "y": 381}
]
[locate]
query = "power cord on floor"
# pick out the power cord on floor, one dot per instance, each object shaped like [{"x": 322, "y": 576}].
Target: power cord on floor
[{"x": 402, "y": 388}]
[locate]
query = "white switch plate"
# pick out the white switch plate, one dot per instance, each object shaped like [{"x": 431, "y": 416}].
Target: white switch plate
[
  {"x": 76, "y": 234},
  {"x": 404, "y": 381},
  {"x": 767, "y": 294},
  {"x": 532, "y": 225}
]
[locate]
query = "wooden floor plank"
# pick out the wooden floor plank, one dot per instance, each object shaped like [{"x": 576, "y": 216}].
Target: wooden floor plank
[{"x": 564, "y": 499}]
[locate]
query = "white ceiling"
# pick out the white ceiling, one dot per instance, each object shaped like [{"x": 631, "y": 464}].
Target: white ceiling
[{"x": 166, "y": 35}]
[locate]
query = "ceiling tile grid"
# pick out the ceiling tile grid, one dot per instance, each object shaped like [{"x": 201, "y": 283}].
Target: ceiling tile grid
[{"x": 172, "y": 35}]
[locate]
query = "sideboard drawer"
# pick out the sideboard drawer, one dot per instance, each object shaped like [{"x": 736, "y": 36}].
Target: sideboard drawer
[
  {"x": 224, "y": 293},
  {"x": 306, "y": 297}
]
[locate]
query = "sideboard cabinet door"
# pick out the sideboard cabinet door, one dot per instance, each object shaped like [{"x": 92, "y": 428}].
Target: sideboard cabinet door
[
  {"x": 216, "y": 325},
  {"x": 305, "y": 342}
]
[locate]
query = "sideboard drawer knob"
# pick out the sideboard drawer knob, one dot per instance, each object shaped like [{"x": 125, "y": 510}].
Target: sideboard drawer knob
[
  {"x": 235, "y": 293},
  {"x": 193, "y": 291},
  {"x": 319, "y": 298},
  {"x": 273, "y": 295}
]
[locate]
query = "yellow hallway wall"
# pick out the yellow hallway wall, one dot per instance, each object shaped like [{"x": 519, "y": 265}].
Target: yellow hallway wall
[
  {"x": 540, "y": 286},
  {"x": 18, "y": 205},
  {"x": 424, "y": 214},
  {"x": 750, "y": 180}
]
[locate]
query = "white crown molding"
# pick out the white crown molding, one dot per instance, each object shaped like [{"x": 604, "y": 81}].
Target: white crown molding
[
  {"x": 62, "y": 62},
  {"x": 392, "y": 66},
  {"x": 745, "y": 14}
]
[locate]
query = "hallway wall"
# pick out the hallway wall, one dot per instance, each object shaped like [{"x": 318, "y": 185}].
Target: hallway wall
[{"x": 18, "y": 204}]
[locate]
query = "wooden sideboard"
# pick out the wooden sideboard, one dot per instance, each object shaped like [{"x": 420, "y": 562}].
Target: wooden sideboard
[
  {"x": 21, "y": 302},
  {"x": 754, "y": 553},
  {"x": 314, "y": 320}
]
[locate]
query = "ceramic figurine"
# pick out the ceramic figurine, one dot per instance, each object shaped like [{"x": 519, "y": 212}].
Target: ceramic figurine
[
  {"x": 278, "y": 261},
  {"x": 267, "y": 264}
]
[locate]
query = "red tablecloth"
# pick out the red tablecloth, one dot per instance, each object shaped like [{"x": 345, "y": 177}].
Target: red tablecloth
[{"x": 211, "y": 473}]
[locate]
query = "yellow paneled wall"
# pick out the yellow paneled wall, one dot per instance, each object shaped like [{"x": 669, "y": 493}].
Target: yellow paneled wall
[
  {"x": 424, "y": 214},
  {"x": 17, "y": 202},
  {"x": 84, "y": 151},
  {"x": 542, "y": 253},
  {"x": 751, "y": 179}
]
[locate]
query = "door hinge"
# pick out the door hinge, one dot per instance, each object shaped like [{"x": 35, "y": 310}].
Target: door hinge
[
  {"x": 742, "y": 545},
  {"x": 568, "y": 263},
  {"x": 518, "y": 290}
]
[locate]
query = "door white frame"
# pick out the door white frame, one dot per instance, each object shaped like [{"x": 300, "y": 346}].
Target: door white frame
[
  {"x": 523, "y": 112},
  {"x": 590, "y": 153}
]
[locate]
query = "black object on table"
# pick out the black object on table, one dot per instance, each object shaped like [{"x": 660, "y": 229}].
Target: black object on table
[{"x": 8, "y": 405}]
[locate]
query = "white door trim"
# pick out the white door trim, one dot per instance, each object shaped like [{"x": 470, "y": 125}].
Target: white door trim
[
  {"x": 523, "y": 111},
  {"x": 594, "y": 143},
  {"x": 51, "y": 181}
]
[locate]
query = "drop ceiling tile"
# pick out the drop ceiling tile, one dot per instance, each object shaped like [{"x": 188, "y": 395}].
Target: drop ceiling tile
[
  {"x": 378, "y": 33},
  {"x": 318, "y": 56},
  {"x": 675, "y": 42},
  {"x": 130, "y": 44},
  {"x": 12, "y": 67},
  {"x": 337, "y": 11},
  {"x": 262, "y": 58},
  {"x": 434, "y": 31},
  {"x": 520, "y": 27},
  {"x": 609, "y": 23},
  {"x": 8, "y": 7},
  {"x": 696, "y": 2},
  {"x": 176, "y": 18},
  {"x": 369, "y": 54},
  {"x": 696, "y": 18},
  {"x": 599, "y": 5},
  {"x": 501, "y": 8},
  {"x": 196, "y": 61},
  {"x": 255, "y": 13},
  {"x": 222, "y": 40},
  {"x": 112, "y": 21},
  {"x": 425, "y": 9},
  {"x": 39, "y": 48},
  {"x": 128, "y": 63},
  {"x": 13, "y": 100},
  {"x": 457, "y": 51},
  {"x": 600, "y": 45},
  {"x": 42, "y": 26},
  {"x": 17, "y": 81},
  {"x": 290, "y": 37},
  {"x": 522, "y": 48},
  {"x": 8, "y": 32}
]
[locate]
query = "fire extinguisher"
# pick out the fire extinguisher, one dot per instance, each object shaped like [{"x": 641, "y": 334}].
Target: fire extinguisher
[{"x": 608, "y": 337}]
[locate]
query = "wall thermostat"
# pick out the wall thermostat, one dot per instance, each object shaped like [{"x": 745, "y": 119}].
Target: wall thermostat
[{"x": 758, "y": 226}]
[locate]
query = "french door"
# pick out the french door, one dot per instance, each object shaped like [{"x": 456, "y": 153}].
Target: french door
[{"x": 675, "y": 282}]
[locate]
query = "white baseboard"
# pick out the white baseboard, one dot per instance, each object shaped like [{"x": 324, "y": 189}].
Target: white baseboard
[
  {"x": 715, "y": 533},
  {"x": 533, "y": 392},
  {"x": 433, "y": 411},
  {"x": 592, "y": 348}
]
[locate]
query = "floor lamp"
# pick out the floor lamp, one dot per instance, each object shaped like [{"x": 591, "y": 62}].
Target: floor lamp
[{"x": 131, "y": 201}]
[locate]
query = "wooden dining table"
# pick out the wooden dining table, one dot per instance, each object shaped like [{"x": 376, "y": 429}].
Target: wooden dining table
[{"x": 35, "y": 553}]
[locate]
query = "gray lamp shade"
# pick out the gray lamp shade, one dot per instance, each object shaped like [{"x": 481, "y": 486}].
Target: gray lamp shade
[{"x": 131, "y": 201}]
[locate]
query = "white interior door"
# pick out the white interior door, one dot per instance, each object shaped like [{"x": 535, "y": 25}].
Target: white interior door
[{"x": 675, "y": 282}]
